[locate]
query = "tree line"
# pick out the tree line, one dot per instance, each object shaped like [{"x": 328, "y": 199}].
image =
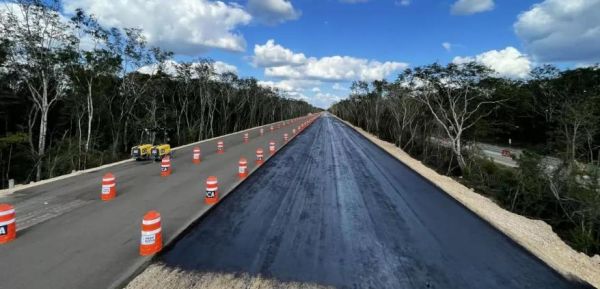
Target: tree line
[
  {"x": 72, "y": 95},
  {"x": 439, "y": 114}
]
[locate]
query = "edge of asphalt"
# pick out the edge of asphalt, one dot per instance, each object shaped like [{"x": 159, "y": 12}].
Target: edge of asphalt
[
  {"x": 5, "y": 192},
  {"x": 144, "y": 262},
  {"x": 545, "y": 257}
]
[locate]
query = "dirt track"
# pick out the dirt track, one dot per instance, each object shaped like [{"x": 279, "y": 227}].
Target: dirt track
[{"x": 335, "y": 210}]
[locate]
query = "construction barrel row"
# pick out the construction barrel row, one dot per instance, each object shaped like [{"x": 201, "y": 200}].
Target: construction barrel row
[{"x": 151, "y": 229}]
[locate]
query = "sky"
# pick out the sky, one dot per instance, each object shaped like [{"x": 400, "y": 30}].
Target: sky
[{"x": 315, "y": 49}]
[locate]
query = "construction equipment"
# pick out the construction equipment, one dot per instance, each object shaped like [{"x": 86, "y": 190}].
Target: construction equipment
[
  {"x": 163, "y": 149},
  {"x": 142, "y": 151}
]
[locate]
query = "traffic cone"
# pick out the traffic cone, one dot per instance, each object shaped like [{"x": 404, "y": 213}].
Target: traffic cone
[
  {"x": 212, "y": 191},
  {"x": 8, "y": 225},
  {"x": 196, "y": 155},
  {"x": 243, "y": 168},
  {"x": 151, "y": 241},
  {"x": 259, "y": 156},
  {"x": 109, "y": 187},
  {"x": 220, "y": 147},
  {"x": 165, "y": 167},
  {"x": 272, "y": 147}
]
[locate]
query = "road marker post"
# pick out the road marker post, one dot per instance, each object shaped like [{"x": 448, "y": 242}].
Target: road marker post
[
  {"x": 165, "y": 167},
  {"x": 109, "y": 187},
  {"x": 151, "y": 241},
  {"x": 262, "y": 131},
  {"x": 8, "y": 224},
  {"x": 220, "y": 147},
  {"x": 272, "y": 128},
  {"x": 285, "y": 137},
  {"x": 243, "y": 168},
  {"x": 272, "y": 147},
  {"x": 196, "y": 154},
  {"x": 246, "y": 137},
  {"x": 293, "y": 131},
  {"x": 212, "y": 191},
  {"x": 259, "y": 156}
]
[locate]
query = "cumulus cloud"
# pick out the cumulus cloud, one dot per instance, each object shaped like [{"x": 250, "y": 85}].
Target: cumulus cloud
[
  {"x": 273, "y": 11},
  {"x": 561, "y": 30},
  {"x": 271, "y": 54},
  {"x": 508, "y": 62},
  {"x": 187, "y": 27},
  {"x": 281, "y": 62},
  {"x": 468, "y": 7}
]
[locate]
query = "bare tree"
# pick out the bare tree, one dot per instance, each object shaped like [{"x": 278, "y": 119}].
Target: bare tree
[{"x": 454, "y": 97}]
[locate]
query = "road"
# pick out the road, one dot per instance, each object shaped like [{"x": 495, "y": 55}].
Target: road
[
  {"x": 69, "y": 238},
  {"x": 335, "y": 210}
]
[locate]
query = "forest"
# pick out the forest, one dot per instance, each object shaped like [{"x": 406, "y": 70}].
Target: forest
[
  {"x": 553, "y": 115},
  {"x": 72, "y": 95}
]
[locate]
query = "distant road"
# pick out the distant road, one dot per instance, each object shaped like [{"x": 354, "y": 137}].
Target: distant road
[
  {"x": 69, "y": 238},
  {"x": 334, "y": 209}
]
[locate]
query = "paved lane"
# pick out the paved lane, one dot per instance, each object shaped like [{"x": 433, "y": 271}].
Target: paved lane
[
  {"x": 333, "y": 209},
  {"x": 74, "y": 240}
]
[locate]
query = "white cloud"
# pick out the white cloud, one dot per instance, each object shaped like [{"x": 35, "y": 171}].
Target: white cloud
[
  {"x": 271, "y": 54},
  {"x": 273, "y": 11},
  {"x": 222, "y": 67},
  {"x": 447, "y": 46},
  {"x": 283, "y": 63},
  {"x": 508, "y": 62},
  {"x": 337, "y": 86},
  {"x": 187, "y": 27},
  {"x": 561, "y": 30},
  {"x": 468, "y": 7},
  {"x": 402, "y": 2}
]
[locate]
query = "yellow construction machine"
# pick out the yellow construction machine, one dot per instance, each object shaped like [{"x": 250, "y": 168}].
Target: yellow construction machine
[
  {"x": 142, "y": 151},
  {"x": 163, "y": 149}
]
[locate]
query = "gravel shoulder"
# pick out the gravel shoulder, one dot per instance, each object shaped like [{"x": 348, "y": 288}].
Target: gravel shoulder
[{"x": 536, "y": 236}]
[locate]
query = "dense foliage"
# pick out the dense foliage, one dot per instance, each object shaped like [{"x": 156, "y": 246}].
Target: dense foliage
[
  {"x": 72, "y": 95},
  {"x": 439, "y": 113}
]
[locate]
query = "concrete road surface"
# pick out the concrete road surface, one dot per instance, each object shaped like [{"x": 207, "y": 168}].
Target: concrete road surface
[
  {"x": 69, "y": 238},
  {"x": 333, "y": 209}
]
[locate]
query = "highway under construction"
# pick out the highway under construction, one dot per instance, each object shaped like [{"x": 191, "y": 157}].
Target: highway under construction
[{"x": 330, "y": 208}]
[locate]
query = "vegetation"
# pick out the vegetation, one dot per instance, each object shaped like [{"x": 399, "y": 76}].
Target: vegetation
[
  {"x": 437, "y": 113},
  {"x": 72, "y": 95}
]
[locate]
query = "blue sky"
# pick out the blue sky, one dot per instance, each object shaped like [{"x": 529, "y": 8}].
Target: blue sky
[{"x": 314, "y": 49}]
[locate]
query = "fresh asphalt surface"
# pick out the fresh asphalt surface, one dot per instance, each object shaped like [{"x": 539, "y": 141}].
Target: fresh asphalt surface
[
  {"x": 332, "y": 208},
  {"x": 72, "y": 239}
]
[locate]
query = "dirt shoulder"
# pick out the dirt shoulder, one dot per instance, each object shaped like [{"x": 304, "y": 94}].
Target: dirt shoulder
[
  {"x": 534, "y": 235},
  {"x": 158, "y": 276}
]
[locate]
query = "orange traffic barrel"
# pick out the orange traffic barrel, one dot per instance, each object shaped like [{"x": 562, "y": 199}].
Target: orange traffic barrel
[
  {"x": 212, "y": 191},
  {"x": 8, "y": 225},
  {"x": 246, "y": 137},
  {"x": 271, "y": 147},
  {"x": 262, "y": 131},
  {"x": 243, "y": 168},
  {"x": 220, "y": 147},
  {"x": 165, "y": 167},
  {"x": 196, "y": 155},
  {"x": 109, "y": 187},
  {"x": 259, "y": 156},
  {"x": 151, "y": 241},
  {"x": 285, "y": 137}
]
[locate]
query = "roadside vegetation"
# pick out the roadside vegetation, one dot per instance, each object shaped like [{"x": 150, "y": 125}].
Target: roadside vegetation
[
  {"x": 75, "y": 95},
  {"x": 552, "y": 113}
]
